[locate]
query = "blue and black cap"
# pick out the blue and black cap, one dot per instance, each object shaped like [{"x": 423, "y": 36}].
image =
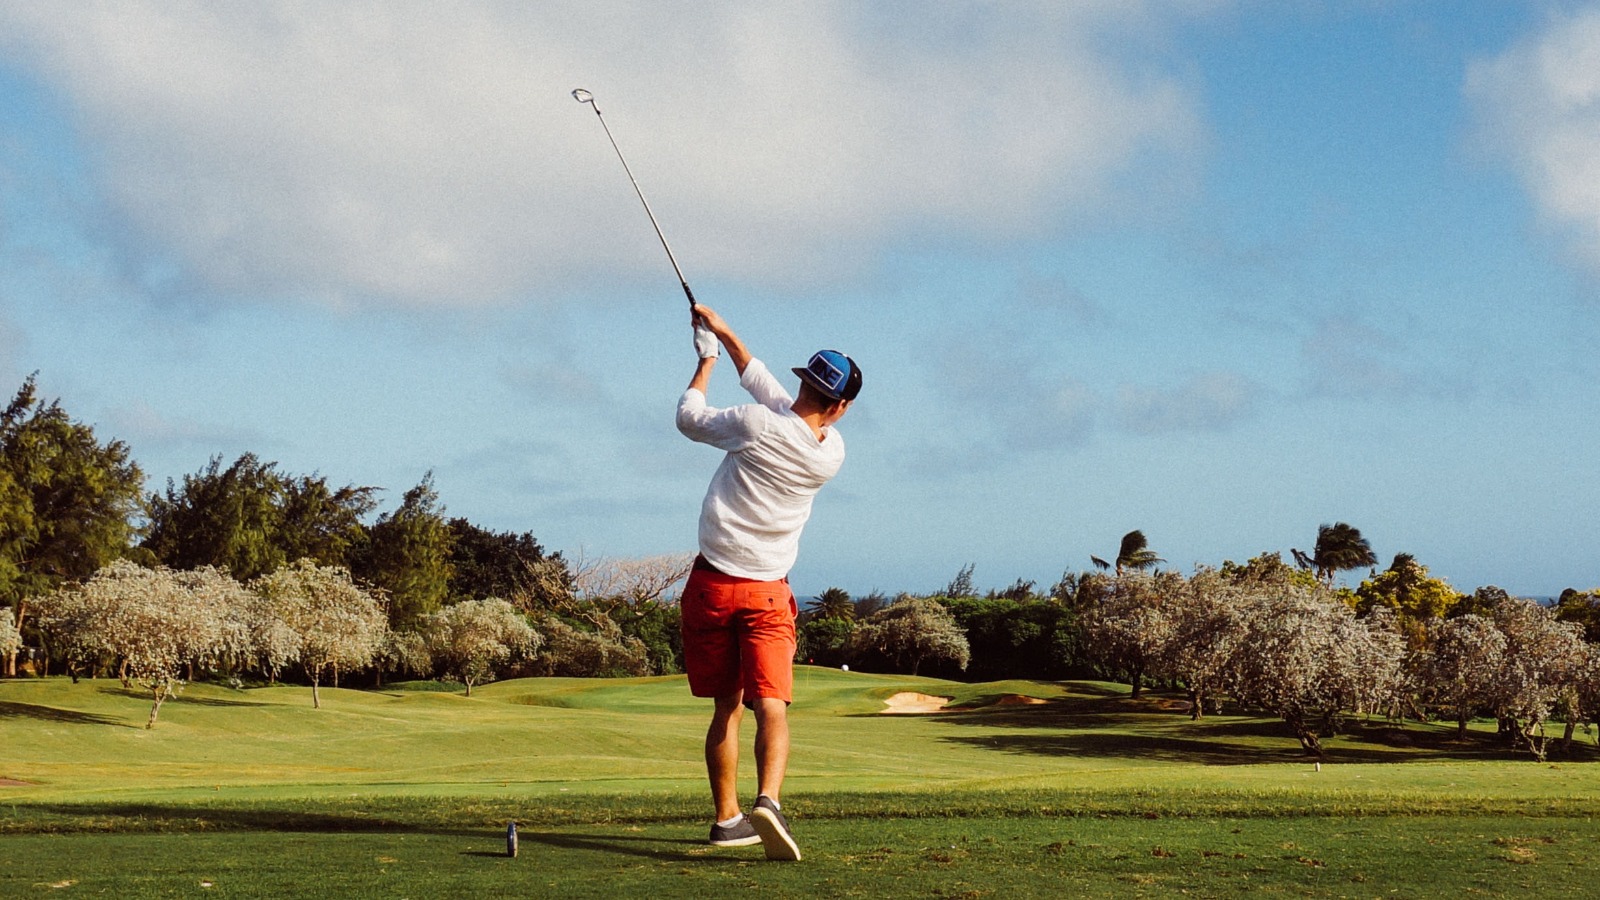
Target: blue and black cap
[{"x": 832, "y": 373}]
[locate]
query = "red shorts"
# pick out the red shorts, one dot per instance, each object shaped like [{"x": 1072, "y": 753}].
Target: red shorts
[{"x": 738, "y": 634}]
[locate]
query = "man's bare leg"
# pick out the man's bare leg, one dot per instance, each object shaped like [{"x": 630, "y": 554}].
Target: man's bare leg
[
  {"x": 772, "y": 759},
  {"x": 722, "y": 755},
  {"x": 772, "y": 745}
]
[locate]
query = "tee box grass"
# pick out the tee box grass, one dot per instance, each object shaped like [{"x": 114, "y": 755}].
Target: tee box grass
[{"x": 406, "y": 792}]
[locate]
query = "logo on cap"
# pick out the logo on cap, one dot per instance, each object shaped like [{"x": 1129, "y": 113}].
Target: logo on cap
[{"x": 833, "y": 373}]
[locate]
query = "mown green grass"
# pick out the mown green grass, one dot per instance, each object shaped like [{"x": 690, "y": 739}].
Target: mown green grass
[
  {"x": 1090, "y": 790},
  {"x": 1318, "y": 857}
]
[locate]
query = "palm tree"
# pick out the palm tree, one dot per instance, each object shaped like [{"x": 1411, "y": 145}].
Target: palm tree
[
  {"x": 1135, "y": 554},
  {"x": 1340, "y": 546},
  {"x": 834, "y": 603}
]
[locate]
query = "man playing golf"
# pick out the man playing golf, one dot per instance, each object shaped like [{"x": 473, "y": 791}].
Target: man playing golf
[{"x": 738, "y": 611}]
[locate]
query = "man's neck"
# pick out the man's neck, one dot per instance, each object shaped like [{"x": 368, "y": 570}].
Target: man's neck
[{"x": 813, "y": 416}]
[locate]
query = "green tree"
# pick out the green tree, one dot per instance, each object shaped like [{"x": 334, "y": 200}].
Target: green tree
[
  {"x": 321, "y": 522},
  {"x": 67, "y": 501},
  {"x": 250, "y": 519},
  {"x": 1339, "y": 547},
  {"x": 824, "y": 641},
  {"x": 485, "y": 563},
  {"x": 834, "y": 603},
  {"x": 1020, "y": 590},
  {"x": 1582, "y": 608},
  {"x": 1012, "y": 638},
  {"x": 659, "y": 629},
  {"x": 408, "y": 556},
  {"x": 1415, "y": 597},
  {"x": 871, "y": 603},
  {"x": 595, "y": 648},
  {"x": 911, "y": 632},
  {"x": 961, "y": 585},
  {"x": 1268, "y": 568},
  {"x": 1483, "y": 602},
  {"x": 223, "y": 517}
]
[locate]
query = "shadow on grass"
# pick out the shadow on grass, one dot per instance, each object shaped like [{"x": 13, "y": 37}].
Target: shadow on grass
[
  {"x": 1130, "y": 746},
  {"x": 626, "y": 844},
  {"x": 12, "y": 710},
  {"x": 144, "y": 695},
  {"x": 1154, "y": 727},
  {"x": 127, "y": 818},
  {"x": 1062, "y": 713},
  {"x": 152, "y": 817}
]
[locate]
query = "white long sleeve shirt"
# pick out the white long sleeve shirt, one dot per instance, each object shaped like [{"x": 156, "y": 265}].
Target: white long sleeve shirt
[{"x": 760, "y": 497}]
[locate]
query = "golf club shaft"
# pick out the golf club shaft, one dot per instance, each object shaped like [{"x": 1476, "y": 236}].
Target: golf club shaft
[{"x": 583, "y": 96}]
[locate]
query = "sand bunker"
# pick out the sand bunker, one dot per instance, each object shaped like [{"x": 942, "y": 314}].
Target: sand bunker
[{"x": 912, "y": 702}]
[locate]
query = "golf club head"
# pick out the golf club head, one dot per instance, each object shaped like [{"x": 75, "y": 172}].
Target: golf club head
[{"x": 582, "y": 96}]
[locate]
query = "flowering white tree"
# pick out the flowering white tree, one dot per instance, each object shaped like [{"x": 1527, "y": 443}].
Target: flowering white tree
[
  {"x": 155, "y": 620},
  {"x": 64, "y": 617},
  {"x": 1543, "y": 666},
  {"x": 1368, "y": 666},
  {"x": 1459, "y": 671},
  {"x": 10, "y": 638},
  {"x": 1304, "y": 656},
  {"x": 336, "y": 625},
  {"x": 273, "y": 643},
  {"x": 404, "y": 652},
  {"x": 1588, "y": 693},
  {"x": 1207, "y": 630},
  {"x": 469, "y": 639},
  {"x": 214, "y": 593},
  {"x": 1133, "y": 624}
]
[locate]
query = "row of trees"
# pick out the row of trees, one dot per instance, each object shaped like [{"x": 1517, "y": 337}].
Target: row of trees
[
  {"x": 1271, "y": 638},
  {"x": 160, "y": 627},
  {"x": 1264, "y": 635},
  {"x": 157, "y": 626}
]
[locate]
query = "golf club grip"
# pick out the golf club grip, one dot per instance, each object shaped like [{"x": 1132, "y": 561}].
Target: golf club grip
[{"x": 688, "y": 293}]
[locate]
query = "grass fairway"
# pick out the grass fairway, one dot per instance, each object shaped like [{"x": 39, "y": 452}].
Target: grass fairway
[{"x": 406, "y": 793}]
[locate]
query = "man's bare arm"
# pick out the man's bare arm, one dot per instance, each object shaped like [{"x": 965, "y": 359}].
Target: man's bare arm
[{"x": 702, "y": 375}]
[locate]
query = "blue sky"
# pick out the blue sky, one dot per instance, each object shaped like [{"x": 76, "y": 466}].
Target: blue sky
[{"x": 1218, "y": 271}]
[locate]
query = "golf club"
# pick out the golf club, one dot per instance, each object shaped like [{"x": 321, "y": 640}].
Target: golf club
[{"x": 583, "y": 96}]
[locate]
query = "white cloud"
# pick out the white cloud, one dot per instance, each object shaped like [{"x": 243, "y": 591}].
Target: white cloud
[
  {"x": 1013, "y": 394},
  {"x": 1540, "y": 107},
  {"x": 145, "y": 427},
  {"x": 427, "y": 154},
  {"x": 1347, "y": 358},
  {"x": 1213, "y": 401}
]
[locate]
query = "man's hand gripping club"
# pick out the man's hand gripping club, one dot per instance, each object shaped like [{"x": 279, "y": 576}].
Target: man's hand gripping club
[{"x": 710, "y": 330}]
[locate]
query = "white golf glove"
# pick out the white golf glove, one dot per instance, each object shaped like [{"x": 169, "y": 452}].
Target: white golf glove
[{"x": 705, "y": 343}]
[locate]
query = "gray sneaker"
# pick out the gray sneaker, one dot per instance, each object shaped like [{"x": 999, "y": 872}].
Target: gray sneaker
[
  {"x": 774, "y": 831},
  {"x": 739, "y": 834}
]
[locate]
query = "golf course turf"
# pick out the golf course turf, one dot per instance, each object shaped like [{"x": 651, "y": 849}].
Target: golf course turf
[{"x": 405, "y": 792}]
